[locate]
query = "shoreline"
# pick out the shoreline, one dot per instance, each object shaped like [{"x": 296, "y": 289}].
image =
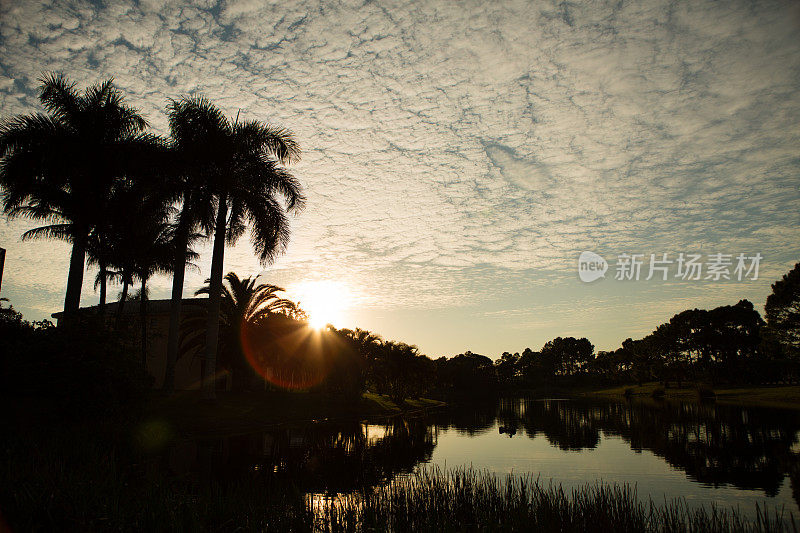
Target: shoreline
[
  {"x": 772, "y": 396},
  {"x": 240, "y": 413}
]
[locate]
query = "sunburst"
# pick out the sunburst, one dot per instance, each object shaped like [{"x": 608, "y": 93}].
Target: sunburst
[{"x": 323, "y": 301}]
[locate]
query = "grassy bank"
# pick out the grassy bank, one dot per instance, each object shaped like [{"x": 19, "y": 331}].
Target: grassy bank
[
  {"x": 779, "y": 396},
  {"x": 235, "y": 413}
]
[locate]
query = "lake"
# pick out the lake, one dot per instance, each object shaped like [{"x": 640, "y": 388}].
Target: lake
[{"x": 705, "y": 453}]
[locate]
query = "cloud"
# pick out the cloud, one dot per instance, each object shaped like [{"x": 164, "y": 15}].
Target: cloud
[{"x": 530, "y": 175}]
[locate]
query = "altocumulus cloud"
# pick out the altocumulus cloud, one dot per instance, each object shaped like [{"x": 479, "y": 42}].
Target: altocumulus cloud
[{"x": 457, "y": 150}]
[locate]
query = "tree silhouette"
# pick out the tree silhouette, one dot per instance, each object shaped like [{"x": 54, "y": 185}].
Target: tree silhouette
[
  {"x": 506, "y": 368},
  {"x": 366, "y": 347},
  {"x": 241, "y": 162},
  {"x": 154, "y": 254},
  {"x": 188, "y": 185},
  {"x": 98, "y": 253},
  {"x": 783, "y": 312},
  {"x": 59, "y": 168},
  {"x": 138, "y": 241},
  {"x": 400, "y": 371},
  {"x": 136, "y": 201},
  {"x": 244, "y": 303}
]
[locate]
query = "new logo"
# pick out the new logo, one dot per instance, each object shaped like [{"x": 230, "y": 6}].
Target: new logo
[{"x": 591, "y": 267}]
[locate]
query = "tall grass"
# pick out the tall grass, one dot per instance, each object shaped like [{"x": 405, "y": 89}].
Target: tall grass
[{"x": 470, "y": 500}]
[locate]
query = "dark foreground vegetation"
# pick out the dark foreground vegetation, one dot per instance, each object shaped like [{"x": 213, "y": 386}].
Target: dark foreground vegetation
[{"x": 469, "y": 500}]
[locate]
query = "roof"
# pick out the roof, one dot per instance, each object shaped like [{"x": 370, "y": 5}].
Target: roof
[{"x": 154, "y": 307}]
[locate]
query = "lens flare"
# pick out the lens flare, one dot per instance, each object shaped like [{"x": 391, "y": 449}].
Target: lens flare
[
  {"x": 294, "y": 355},
  {"x": 286, "y": 353}
]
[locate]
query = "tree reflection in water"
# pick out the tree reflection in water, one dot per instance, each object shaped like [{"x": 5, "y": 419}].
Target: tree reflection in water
[
  {"x": 716, "y": 445},
  {"x": 323, "y": 457},
  {"x": 747, "y": 448}
]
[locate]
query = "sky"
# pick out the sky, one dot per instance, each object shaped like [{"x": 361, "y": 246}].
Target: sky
[{"x": 459, "y": 156}]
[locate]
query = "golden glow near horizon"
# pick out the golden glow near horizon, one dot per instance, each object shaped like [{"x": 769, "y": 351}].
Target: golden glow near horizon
[{"x": 324, "y": 301}]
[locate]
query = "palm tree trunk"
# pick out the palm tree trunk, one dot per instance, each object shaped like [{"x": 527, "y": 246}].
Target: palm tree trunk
[
  {"x": 214, "y": 299},
  {"x": 178, "y": 271},
  {"x": 122, "y": 299},
  {"x": 101, "y": 308},
  {"x": 72, "y": 299},
  {"x": 143, "y": 320}
]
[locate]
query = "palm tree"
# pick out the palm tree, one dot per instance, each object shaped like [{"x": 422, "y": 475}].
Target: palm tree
[
  {"x": 194, "y": 214},
  {"x": 189, "y": 187},
  {"x": 242, "y": 165},
  {"x": 136, "y": 201},
  {"x": 97, "y": 252},
  {"x": 154, "y": 255},
  {"x": 60, "y": 168},
  {"x": 243, "y": 303},
  {"x": 140, "y": 241},
  {"x": 366, "y": 347},
  {"x": 365, "y": 343}
]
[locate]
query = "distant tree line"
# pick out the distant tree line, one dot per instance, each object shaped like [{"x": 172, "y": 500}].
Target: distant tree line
[
  {"x": 728, "y": 344},
  {"x": 265, "y": 342}
]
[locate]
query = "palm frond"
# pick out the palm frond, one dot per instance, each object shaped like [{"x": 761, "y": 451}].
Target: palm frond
[
  {"x": 59, "y": 96},
  {"x": 130, "y": 121},
  {"x": 61, "y": 232},
  {"x": 35, "y": 210},
  {"x": 195, "y": 117},
  {"x": 236, "y": 223},
  {"x": 286, "y": 185},
  {"x": 203, "y": 290},
  {"x": 277, "y": 142},
  {"x": 269, "y": 228},
  {"x": 29, "y": 132},
  {"x": 112, "y": 276},
  {"x": 106, "y": 99},
  {"x": 100, "y": 94}
]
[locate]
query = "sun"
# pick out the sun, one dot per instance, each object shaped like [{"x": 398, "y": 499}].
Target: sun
[{"x": 323, "y": 301}]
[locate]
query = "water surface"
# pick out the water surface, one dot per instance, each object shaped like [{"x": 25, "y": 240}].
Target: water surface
[{"x": 707, "y": 454}]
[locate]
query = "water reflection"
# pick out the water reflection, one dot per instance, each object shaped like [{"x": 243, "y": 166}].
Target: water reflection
[
  {"x": 748, "y": 448},
  {"x": 714, "y": 445},
  {"x": 323, "y": 458}
]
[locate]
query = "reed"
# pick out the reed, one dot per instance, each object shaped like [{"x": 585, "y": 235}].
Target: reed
[{"x": 465, "y": 499}]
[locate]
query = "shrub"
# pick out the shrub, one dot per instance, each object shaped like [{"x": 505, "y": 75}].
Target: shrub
[
  {"x": 80, "y": 371},
  {"x": 658, "y": 393},
  {"x": 628, "y": 392}
]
